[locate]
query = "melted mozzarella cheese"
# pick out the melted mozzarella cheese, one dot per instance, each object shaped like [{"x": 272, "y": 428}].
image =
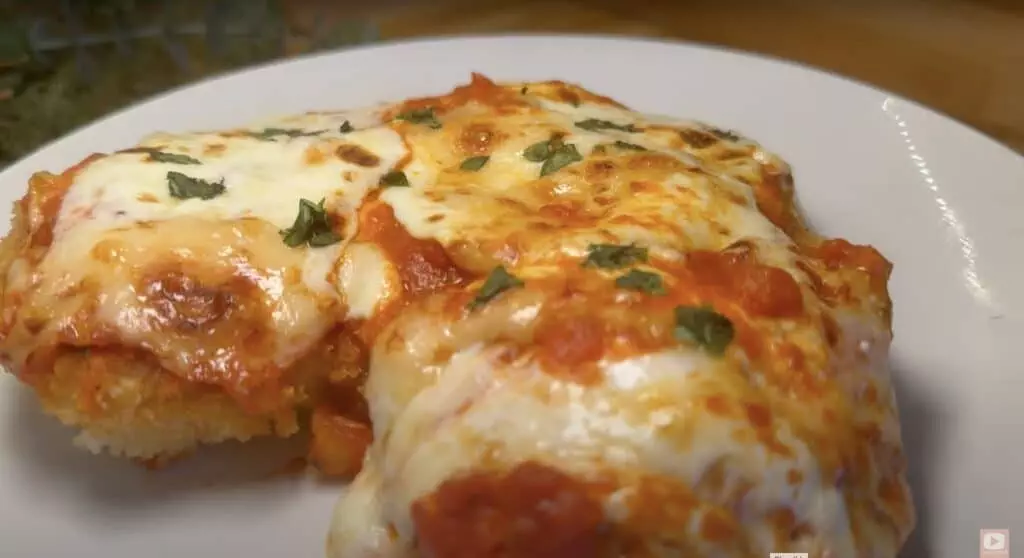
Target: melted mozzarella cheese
[
  {"x": 454, "y": 394},
  {"x": 504, "y": 203},
  {"x": 454, "y": 424},
  {"x": 490, "y": 403},
  {"x": 366, "y": 278},
  {"x": 325, "y": 123},
  {"x": 262, "y": 179},
  {"x": 119, "y": 222}
]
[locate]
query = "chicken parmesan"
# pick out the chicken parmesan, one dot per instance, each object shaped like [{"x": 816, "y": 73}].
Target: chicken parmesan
[{"x": 536, "y": 322}]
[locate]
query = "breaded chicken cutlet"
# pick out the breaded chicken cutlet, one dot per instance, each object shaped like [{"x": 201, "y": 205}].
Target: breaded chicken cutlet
[{"x": 578, "y": 330}]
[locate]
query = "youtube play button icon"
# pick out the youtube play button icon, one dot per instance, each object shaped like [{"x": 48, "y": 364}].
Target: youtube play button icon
[{"x": 995, "y": 543}]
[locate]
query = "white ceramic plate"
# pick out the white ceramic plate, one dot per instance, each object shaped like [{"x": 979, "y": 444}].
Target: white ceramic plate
[{"x": 940, "y": 200}]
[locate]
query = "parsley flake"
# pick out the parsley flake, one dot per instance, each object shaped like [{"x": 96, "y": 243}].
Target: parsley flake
[
  {"x": 595, "y": 125},
  {"x": 394, "y": 178},
  {"x": 345, "y": 127},
  {"x": 561, "y": 157},
  {"x": 474, "y": 163},
  {"x": 705, "y": 327},
  {"x": 499, "y": 281},
  {"x": 538, "y": 152},
  {"x": 163, "y": 157},
  {"x": 614, "y": 256},
  {"x": 268, "y": 134},
  {"x": 630, "y": 146},
  {"x": 554, "y": 153},
  {"x": 311, "y": 227},
  {"x": 420, "y": 116},
  {"x": 643, "y": 281},
  {"x": 183, "y": 187}
]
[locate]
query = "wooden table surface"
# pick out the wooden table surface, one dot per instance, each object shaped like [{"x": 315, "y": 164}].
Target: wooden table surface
[{"x": 962, "y": 57}]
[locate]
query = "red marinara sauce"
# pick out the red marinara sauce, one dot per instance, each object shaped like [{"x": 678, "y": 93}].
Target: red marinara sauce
[{"x": 531, "y": 511}]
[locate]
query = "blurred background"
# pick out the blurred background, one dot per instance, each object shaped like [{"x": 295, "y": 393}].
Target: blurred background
[{"x": 64, "y": 63}]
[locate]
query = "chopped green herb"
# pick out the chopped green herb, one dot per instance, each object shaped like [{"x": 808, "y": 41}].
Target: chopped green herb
[
  {"x": 523, "y": 90},
  {"x": 538, "y": 152},
  {"x": 394, "y": 178},
  {"x": 183, "y": 187},
  {"x": 595, "y": 125},
  {"x": 614, "y": 256},
  {"x": 420, "y": 116},
  {"x": 346, "y": 127},
  {"x": 474, "y": 163},
  {"x": 725, "y": 134},
  {"x": 554, "y": 153},
  {"x": 630, "y": 146},
  {"x": 602, "y": 148},
  {"x": 268, "y": 134},
  {"x": 173, "y": 158},
  {"x": 325, "y": 238},
  {"x": 703, "y": 326},
  {"x": 561, "y": 157},
  {"x": 644, "y": 281},
  {"x": 496, "y": 283},
  {"x": 311, "y": 227}
]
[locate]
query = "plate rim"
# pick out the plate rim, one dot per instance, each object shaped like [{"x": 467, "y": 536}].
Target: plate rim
[
  {"x": 946, "y": 134},
  {"x": 385, "y": 44}
]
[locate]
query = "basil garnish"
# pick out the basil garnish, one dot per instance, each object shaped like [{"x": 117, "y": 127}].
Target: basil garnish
[
  {"x": 614, "y": 256},
  {"x": 499, "y": 281},
  {"x": 643, "y": 281},
  {"x": 595, "y": 125},
  {"x": 474, "y": 163},
  {"x": 394, "y": 178},
  {"x": 268, "y": 134},
  {"x": 164, "y": 157},
  {"x": 183, "y": 187},
  {"x": 311, "y": 227},
  {"x": 703, "y": 326},
  {"x": 420, "y": 116}
]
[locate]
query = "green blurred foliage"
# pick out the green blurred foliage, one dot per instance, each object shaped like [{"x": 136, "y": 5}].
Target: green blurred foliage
[{"x": 49, "y": 96}]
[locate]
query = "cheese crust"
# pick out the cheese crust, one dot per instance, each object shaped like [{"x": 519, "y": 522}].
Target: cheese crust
[{"x": 568, "y": 328}]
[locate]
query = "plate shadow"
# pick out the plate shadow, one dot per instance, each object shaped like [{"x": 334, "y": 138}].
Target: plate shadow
[
  {"x": 921, "y": 421},
  {"x": 42, "y": 452}
]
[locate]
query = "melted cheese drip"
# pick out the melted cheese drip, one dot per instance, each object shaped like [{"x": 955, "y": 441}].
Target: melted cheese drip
[{"x": 367, "y": 278}]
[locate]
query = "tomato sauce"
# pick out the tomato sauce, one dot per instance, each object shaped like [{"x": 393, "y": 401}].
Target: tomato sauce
[
  {"x": 480, "y": 90},
  {"x": 41, "y": 205},
  {"x": 423, "y": 265},
  {"x": 838, "y": 254},
  {"x": 589, "y": 320},
  {"x": 761, "y": 290},
  {"x": 532, "y": 511}
]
